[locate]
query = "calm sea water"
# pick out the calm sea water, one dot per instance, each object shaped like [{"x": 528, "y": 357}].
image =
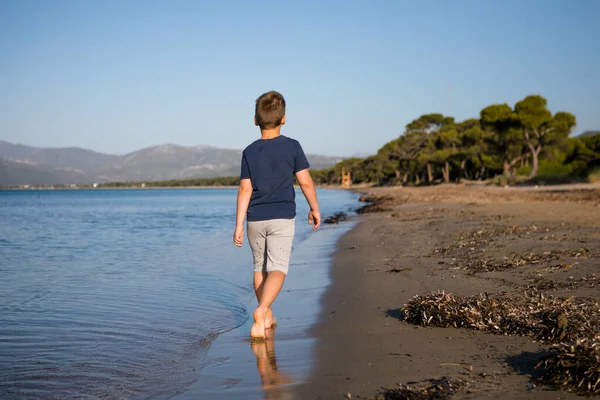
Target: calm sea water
[{"x": 119, "y": 293}]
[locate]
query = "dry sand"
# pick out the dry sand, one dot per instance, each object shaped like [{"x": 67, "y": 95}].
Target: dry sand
[{"x": 464, "y": 240}]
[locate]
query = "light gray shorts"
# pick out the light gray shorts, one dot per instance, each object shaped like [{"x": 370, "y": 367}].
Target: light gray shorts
[{"x": 271, "y": 244}]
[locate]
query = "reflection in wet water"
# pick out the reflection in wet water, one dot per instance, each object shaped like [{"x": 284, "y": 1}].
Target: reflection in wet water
[{"x": 274, "y": 382}]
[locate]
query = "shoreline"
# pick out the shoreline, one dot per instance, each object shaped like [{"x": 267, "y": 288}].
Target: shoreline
[
  {"x": 235, "y": 367},
  {"x": 360, "y": 188},
  {"x": 363, "y": 342},
  {"x": 33, "y": 189}
]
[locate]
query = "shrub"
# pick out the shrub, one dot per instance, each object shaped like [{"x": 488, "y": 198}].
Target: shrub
[{"x": 594, "y": 175}]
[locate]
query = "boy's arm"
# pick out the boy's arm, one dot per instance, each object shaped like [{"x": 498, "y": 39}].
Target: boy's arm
[
  {"x": 243, "y": 200},
  {"x": 308, "y": 188}
]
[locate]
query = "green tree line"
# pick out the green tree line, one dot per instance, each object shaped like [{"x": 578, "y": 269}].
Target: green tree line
[{"x": 525, "y": 141}]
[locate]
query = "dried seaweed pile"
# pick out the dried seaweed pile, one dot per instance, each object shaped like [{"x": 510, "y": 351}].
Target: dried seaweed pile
[
  {"x": 581, "y": 196},
  {"x": 514, "y": 260},
  {"x": 372, "y": 208},
  {"x": 546, "y": 319},
  {"x": 336, "y": 218},
  {"x": 488, "y": 237},
  {"x": 492, "y": 236},
  {"x": 519, "y": 231},
  {"x": 376, "y": 204},
  {"x": 484, "y": 238},
  {"x": 576, "y": 365},
  {"x": 436, "y": 389},
  {"x": 420, "y": 215},
  {"x": 541, "y": 283}
]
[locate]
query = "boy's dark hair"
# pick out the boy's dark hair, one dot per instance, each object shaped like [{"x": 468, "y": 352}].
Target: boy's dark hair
[{"x": 270, "y": 110}]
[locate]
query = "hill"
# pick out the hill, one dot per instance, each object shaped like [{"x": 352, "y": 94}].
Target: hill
[
  {"x": 19, "y": 173},
  {"x": 35, "y": 165},
  {"x": 589, "y": 133}
]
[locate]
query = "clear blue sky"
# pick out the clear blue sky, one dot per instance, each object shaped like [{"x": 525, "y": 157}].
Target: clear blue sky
[{"x": 116, "y": 76}]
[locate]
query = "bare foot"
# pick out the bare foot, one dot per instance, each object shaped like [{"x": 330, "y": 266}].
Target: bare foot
[
  {"x": 258, "y": 328},
  {"x": 273, "y": 323},
  {"x": 270, "y": 320}
]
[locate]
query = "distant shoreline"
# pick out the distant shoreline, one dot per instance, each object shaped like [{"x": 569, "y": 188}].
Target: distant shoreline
[
  {"x": 358, "y": 187},
  {"x": 117, "y": 188},
  {"x": 150, "y": 188}
]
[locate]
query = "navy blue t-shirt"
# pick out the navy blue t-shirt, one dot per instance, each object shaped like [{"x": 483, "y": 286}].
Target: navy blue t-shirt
[{"x": 271, "y": 165}]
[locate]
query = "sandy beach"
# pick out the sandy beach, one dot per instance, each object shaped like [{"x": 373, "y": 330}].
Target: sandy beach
[{"x": 463, "y": 240}]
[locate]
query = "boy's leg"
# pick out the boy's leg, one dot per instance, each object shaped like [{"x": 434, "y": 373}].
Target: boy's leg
[
  {"x": 257, "y": 238},
  {"x": 259, "y": 282},
  {"x": 271, "y": 288},
  {"x": 280, "y": 235}
]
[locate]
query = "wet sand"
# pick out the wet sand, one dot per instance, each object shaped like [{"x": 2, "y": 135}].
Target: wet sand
[
  {"x": 239, "y": 369},
  {"x": 464, "y": 240}
]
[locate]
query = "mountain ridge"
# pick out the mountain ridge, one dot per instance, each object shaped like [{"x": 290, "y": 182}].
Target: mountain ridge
[{"x": 22, "y": 164}]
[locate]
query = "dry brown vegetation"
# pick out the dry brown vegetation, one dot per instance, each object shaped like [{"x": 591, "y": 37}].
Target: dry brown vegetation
[
  {"x": 574, "y": 365},
  {"x": 544, "y": 318}
]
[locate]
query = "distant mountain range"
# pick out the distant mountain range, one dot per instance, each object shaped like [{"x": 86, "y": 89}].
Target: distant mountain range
[
  {"x": 589, "y": 133},
  {"x": 20, "y": 164}
]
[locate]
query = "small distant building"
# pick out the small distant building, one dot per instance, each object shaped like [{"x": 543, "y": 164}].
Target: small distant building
[
  {"x": 346, "y": 179},
  {"x": 143, "y": 185},
  {"x": 95, "y": 185}
]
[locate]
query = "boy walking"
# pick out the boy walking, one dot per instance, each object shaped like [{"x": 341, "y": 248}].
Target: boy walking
[{"x": 266, "y": 198}]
